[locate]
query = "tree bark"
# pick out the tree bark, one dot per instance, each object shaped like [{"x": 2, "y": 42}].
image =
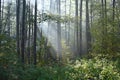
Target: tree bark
[
  {"x": 23, "y": 32},
  {"x": 0, "y": 19},
  {"x": 35, "y": 34},
  {"x": 29, "y": 38},
  {"x": 17, "y": 26},
  {"x": 76, "y": 27},
  {"x": 59, "y": 31},
  {"x": 88, "y": 36},
  {"x": 113, "y": 11},
  {"x": 80, "y": 50}
]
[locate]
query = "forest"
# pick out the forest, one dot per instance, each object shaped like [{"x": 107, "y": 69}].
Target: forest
[{"x": 59, "y": 39}]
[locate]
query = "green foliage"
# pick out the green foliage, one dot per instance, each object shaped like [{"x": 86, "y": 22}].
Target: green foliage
[
  {"x": 8, "y": 58},
  {"x": 54, "y": 17},
  {"x": 105, "y": 34},
  {"x": 83, "y": 69},
  {"x": 97, "y": 68},
  {"x": 42, "y": 50}
]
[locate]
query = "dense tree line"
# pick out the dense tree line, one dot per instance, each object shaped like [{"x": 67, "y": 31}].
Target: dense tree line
[
  {"x": 59, "y": 39},
  {"x": 82, "y": 27},
  {"x": 26, "y": 24}
]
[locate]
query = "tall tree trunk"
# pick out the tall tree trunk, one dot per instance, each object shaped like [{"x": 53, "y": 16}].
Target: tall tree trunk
[
  {"x": 80, "y": 50},
  {"x": 113, "y": 16},
  {"x": 35, "y": 33},
  {"x": 91, "y": 12},
  {"x": 76, "y": 26},
  {"x": 17, "y": 26},
  {"x": 0, "y": 23},
  {"x": 88, "y": 36},
  {"x": 103, "y": 25},
  {"x": 69, "y": 30},
  {"x": 105, "y": 14},
  {"x": 0, "y": 19},
  {"x": 65, "y": 25},
  {"x": 102, "y": 11},
  {"x": 2, "y": 10},
  {"x": 23, "y": 32},
  {"x": 59, "y": 31},
  {"x": 29, "y": 29},
  {"x": 8, "y": 23}
]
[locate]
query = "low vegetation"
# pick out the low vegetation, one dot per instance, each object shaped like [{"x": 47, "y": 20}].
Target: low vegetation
[{"x": 90, "y": 67}]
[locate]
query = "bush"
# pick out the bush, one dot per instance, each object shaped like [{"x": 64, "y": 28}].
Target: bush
[
  {"x": 98, "y": 67},
  {"x": 83, "y": 69}
]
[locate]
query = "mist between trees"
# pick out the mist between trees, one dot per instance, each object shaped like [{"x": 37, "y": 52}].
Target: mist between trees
[{"x": 48, "y": 32}]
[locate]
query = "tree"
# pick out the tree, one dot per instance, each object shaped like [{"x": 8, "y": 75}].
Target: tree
[
  {"x": 80, "y": 50},
  {"x": 65, "y": 25},
  {"x": 91, "y": 12},
  {"x": 8, "y": 17},
  {"x": 69, "y": 30},
  {"x": 0, "y": 19},
  {"x": 113, "y": 16},
  {"x": 18, "y": 26},
  {"x": 35, "y": 33},
  {"x": 59, "y": 31},
  {"x": 0, "y": 23},
  {"x": 76, "y": 27},
  {"x": 88, "y": 34},
  {"x": 23, "y": 32},
  {"x": 2, "y": 9},
  {"x": 29, "y": 32},
  {"x": 105, "y": 13}
]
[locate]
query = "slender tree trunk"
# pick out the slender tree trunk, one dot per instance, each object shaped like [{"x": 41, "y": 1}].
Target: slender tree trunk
[
  {"x": 80, "y": 52},
  {"x": 8, "y": 23},
  {"x": 76, "y": 26},
  {"x": 105, "y": 14},
  {"x": 2, "y": 10},
  {"x": 113, "y": 17},
  {"x": 91, "y": 12},
  {"x": 88, "y": 36},
  {"x": 65, "y": 25},
  {"x": 0, "y": 23},
  {"x": 113, "y": 11},
  {"x": 102, "y": 11},
  {"x": 23, "y": 32},
  {"x": 35, "y": 33},
  {"x": 103, "y": 24},
  {"x": 0, "y": 20},
  {"x": 59, "y": 31},
  {"x": 69, "y": 30},
  {"x": 29, "y": 39},
  {"x": 17, "y": 26}
]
